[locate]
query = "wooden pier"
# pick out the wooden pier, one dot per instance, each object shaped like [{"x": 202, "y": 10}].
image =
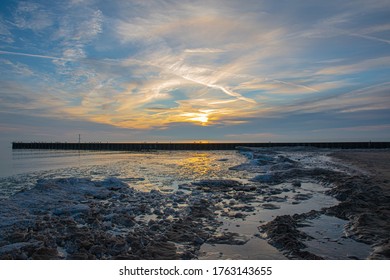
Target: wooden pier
[{"x": 191, "y": 146}]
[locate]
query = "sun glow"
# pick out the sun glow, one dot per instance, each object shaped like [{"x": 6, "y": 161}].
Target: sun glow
[{"x": 203, "y": 118}]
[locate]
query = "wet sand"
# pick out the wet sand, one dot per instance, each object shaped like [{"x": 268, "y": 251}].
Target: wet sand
[
  {"x": 366, "y": 198},
  {"x": 375, "y": 163},
  {"x": 360, "y": 182},
  {"x": 300, "y": 204}
]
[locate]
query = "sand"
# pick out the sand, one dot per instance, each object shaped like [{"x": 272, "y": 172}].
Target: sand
[
  {"x": 375, "y": 163},
  {"x": 367, "y": 207}
]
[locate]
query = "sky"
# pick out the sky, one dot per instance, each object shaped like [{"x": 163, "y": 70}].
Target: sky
[{"x": 177, "y": 70}]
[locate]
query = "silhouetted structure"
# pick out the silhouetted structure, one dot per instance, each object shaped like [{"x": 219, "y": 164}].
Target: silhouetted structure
[{"x": 193, "y": 146}]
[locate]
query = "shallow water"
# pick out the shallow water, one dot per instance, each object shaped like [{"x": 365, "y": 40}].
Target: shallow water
[
  {"x": 330, "y": 240},
  {"x": 249, "y": 227},
  {"x": 144, "y": 171}
]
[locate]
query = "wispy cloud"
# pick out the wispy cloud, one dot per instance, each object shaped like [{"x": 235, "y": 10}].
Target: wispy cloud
[
  {"x": 32, "y": 55},
  {"x": 30, "y": 15},
  {"x": 358, "y": 128},
  {"x": 373, "y": 97},
  {"x": 374, "y": 38},
  {"x": 365, "y": 65},
  {"x": 254, "y": 137},
  {"x": 161, "y": 64},
  {"x": 17, "y": 68},
  {"x": 203, "y": 50},
  {"x": 5, "y": 33}
]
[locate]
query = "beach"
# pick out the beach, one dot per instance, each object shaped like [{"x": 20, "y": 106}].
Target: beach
[
  {"x": 369, "y": 211},
  {"x": 292, "y": 203}
]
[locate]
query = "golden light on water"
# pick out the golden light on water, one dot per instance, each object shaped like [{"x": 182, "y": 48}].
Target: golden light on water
[{"x": 197, "y": 164}]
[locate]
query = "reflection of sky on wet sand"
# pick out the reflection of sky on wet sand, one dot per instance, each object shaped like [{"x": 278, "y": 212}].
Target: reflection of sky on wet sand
[
  {"x": 198, "y": 164},
  {"x": 143, "y": 171}
]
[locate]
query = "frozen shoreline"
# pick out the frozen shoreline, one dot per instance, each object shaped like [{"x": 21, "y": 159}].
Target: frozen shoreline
[{"x": 77, "y": 218}]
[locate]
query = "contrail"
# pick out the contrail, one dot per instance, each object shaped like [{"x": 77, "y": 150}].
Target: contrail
[
  {"x": 295, "y": 85},
  {"x": 34, "y": 55},
  {"x": 177, "y": 71},
  {"x": 370, "y": 37}
]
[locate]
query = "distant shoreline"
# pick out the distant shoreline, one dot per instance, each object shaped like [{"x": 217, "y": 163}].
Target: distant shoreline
[{"x": 193, "y": 146}]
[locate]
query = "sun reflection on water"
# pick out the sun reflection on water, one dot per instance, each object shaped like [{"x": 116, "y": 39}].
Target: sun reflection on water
[{"x": 198, "y": 165}]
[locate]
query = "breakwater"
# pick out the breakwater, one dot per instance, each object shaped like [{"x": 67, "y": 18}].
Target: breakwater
[{"x": 191, "y": 146}]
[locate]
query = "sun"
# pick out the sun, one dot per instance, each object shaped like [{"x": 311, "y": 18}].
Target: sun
[
  {"x": 203, "y": 118},
  {"x": 198, "y": 117}
]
